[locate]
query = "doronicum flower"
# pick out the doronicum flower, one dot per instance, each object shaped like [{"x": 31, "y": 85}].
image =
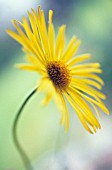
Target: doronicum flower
[{"x": 63, "y": 76}]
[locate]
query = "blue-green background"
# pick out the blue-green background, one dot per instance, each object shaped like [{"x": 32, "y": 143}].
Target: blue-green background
[{"x": 45, "y": 141}]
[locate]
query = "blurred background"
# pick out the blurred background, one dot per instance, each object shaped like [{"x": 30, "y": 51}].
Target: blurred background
[{"x": 39, "y": 132}]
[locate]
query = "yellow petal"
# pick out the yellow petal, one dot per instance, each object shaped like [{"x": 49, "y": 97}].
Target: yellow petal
[
  {"x": 100, "y": 105},
  {"x": 33, "y": 24},
  {"x": 16, "y": 37},
  {"x": 40, "y": 20},
  {"x": 34, "y": 40},
  {"x": 66, "y": 112},
  {"x": 88, "y": 65},
  {"x": 91, "y": 76},
  {"x": 60, "y": 107},
  {"x": 60, "y": 42},
  {"x": 88, "y": 82},
  {"x": 49, "y": 94},
  {"x": 59, "y": 99},
  {"x": 24, "y": 40},
  {"x": 44, "y": 35},
  {"x": 69, "y": 47},
  {"x": 85, "y": 70},
  {"x": 51, "y": 35},
  {"x": 78, "y": 113},
  {"x": 84, "y": 108},
  {"x": 42, "y": 84},
  {"x": 72, "y": 52},
  {"x": 33, "y": 60},
  {"x": 27, "y": 67},
  {"x": 96, "y": 110},
  {"x": 87, "y": 89},
  {"x": 79, "y": 58}
]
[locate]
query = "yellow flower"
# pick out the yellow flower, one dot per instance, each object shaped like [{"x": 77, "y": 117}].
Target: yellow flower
[{"x": 62, "y": 76}]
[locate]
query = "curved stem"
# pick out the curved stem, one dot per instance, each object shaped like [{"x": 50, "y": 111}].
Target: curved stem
[{"x": 24, "y": 157}]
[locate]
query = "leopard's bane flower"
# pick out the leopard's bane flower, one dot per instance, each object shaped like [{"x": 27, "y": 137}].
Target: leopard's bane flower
[{"x": 63, "y": 77}]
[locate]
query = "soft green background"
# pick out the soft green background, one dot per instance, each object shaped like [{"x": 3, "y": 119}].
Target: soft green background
[{"x": 39, "y": 130}]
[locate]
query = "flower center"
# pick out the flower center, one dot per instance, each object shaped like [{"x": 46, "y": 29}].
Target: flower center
[{"x": 59, "y": 74}]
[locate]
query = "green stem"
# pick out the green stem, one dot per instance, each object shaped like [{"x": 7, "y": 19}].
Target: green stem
[{"x": 24, "y": 156}]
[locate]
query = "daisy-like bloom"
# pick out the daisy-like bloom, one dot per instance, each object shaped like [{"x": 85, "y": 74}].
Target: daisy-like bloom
[{"x": 63, "y": 76}]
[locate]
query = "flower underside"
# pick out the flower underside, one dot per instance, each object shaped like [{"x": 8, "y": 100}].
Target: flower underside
[{"x": 62, "y": 74}]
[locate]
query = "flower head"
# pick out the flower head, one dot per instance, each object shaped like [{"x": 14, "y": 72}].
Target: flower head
[{"x": 63, "y": 76}]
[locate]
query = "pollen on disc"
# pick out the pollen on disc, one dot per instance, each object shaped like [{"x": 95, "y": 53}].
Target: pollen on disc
[{"x": 59, "y": 74}]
